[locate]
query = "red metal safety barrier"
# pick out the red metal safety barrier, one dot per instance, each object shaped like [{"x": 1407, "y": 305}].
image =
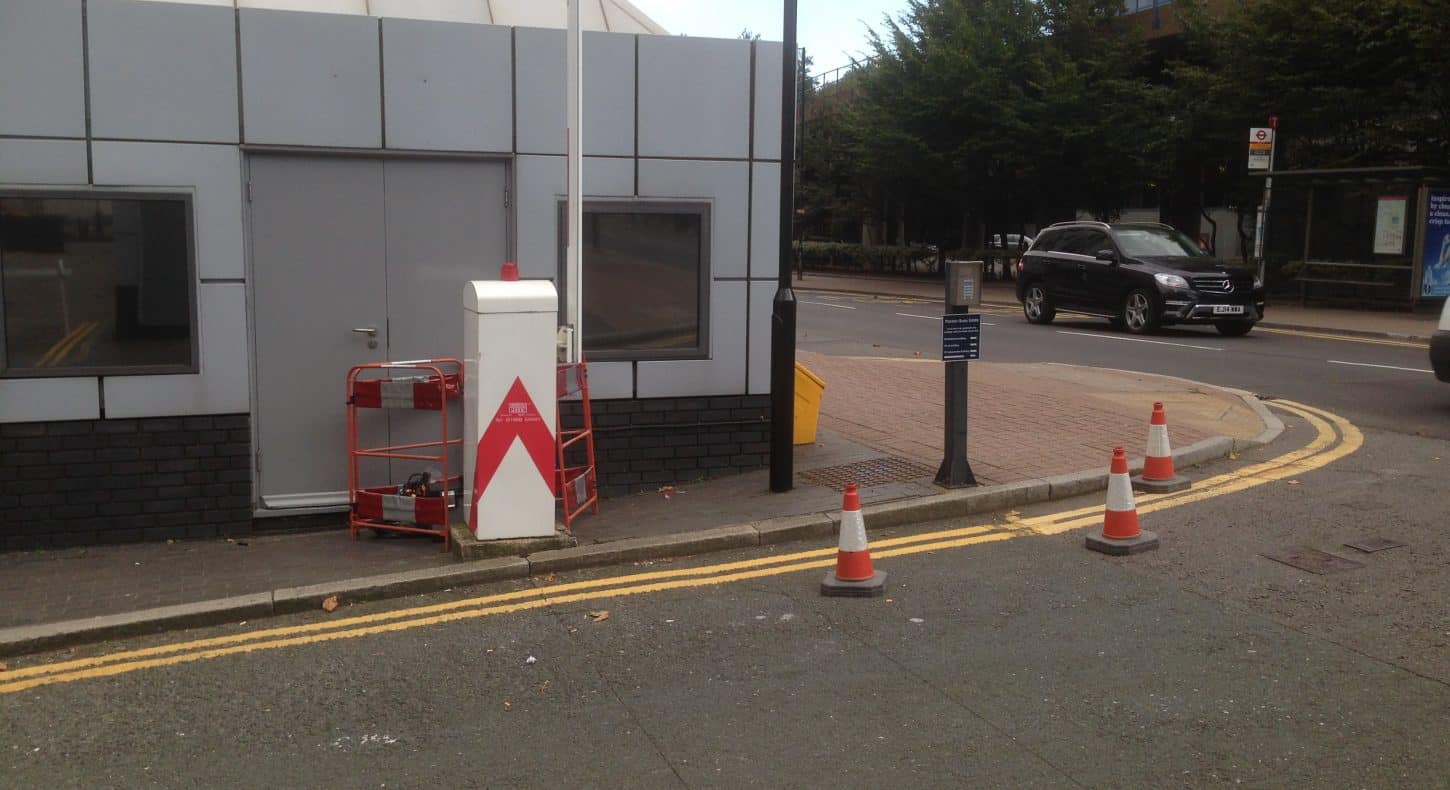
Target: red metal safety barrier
[
  {"x": 577, "y": 486},
  {"x": 421, "y": 504}
]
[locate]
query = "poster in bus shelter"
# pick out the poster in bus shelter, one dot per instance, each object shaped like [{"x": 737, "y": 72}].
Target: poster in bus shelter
[{"x": 1436, "y": 277}]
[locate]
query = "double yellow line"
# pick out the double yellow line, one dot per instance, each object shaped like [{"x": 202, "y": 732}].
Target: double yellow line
[
  {"x": 1326, "y": 448},
  {"x": 57, "y": 353}
]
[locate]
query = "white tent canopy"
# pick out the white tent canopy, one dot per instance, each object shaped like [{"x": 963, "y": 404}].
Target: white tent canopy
[{"x": 619, "y": 16}]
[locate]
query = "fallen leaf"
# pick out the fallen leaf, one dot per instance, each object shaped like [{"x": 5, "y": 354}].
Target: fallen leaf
[
  {"x": 2, "y": 666},
  {"x": 550, "y": 577},
  {"x": 599, "y": 616},
  {"x": 1013, "y": 515},
  {"x": 329, "y": 603},
  {"x": 876, "y": 345},
  {"x": 507, "y": 705}
]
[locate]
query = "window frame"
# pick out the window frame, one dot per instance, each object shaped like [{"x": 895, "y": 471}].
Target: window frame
[
  {"x": 704, "y": 209},
  {"x": 188, "y": 199}
]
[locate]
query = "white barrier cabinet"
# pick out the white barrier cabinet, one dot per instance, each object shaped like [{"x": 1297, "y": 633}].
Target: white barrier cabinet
[{"x": 510, "y": 407}]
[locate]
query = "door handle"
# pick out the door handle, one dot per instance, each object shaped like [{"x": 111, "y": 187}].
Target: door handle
[{"x": 371, "y": 332}]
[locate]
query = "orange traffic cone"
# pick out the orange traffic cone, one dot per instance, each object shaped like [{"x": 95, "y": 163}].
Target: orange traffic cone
[
  {"x": 1158, "y": 476},
  {"x": 1120, "y": 533},
  {"x": 854, "y": 575}
]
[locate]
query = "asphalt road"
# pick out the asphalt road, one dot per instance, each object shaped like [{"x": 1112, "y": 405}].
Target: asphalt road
[
  {"x": 1384, "y": 384},
  {"x": 1006, "y": 658},
  {"x": 1012, "y": 660}
]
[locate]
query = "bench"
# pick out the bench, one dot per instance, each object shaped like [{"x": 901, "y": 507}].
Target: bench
[{"x": 1312, "y": 272}]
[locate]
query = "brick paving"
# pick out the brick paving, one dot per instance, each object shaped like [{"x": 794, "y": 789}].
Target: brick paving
[{"x": 1027, "y": 421}]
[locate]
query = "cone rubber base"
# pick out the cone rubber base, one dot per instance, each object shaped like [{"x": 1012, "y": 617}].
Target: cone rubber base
[
  {"x": 869, "y": 588},
  {"x": 1177, "y": 483},
  {"x": 1146, "y": 541}
]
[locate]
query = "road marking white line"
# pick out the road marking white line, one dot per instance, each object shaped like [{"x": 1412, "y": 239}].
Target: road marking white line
[
  {"x": 828, "y": 304},
  {"x": 1386, "y": 367},
  {"x": 935, "y": 318},
  {"x": 1139, "y": 340}
]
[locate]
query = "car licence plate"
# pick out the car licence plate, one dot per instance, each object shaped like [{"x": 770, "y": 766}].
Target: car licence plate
[{"x": 1228, "y": 309}]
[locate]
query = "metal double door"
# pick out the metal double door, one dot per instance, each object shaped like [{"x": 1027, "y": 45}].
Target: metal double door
[{"x": 356, "y": 260}]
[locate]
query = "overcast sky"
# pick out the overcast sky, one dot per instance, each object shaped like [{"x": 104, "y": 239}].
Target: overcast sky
[{"x": 832, "y": 31}]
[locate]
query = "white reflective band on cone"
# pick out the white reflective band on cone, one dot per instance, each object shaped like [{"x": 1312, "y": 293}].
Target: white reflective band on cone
[
  {"x": 853, "y": 531},
  {"x": 1158, "y": 441},
  {"x": 1120, "y": 495}
]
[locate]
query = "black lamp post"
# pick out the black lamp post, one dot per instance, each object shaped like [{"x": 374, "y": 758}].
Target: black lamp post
[{"x": 783, "y": 312}]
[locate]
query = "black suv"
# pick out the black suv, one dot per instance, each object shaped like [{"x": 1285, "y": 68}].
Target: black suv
[{"x": 1139, "y": 275}]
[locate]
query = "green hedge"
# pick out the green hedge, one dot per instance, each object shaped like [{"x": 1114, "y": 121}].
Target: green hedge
[{"x": 861, "y": 257}]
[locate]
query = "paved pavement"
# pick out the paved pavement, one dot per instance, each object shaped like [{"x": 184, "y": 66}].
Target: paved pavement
[
  {"x": 1418, "y": 325},
  {"x": 881, "y": 415}
]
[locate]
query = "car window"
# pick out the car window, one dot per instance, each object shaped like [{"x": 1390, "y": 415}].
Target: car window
[
  {"x": 1157, "y": 243},
  {"x": 1093, "y": 241},
  {"x": 1082, "y": 241},
  {"x": 1047, "y": 241},
  {"x": 1068, "y": 240}
]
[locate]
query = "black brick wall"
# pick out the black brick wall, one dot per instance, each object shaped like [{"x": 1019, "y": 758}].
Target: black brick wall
[
  {"x": 642, "y": 444},
  {"x": 87, "y": 482}
]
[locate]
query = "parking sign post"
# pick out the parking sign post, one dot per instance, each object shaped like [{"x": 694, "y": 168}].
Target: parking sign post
[{"x": 961, "y": 341}]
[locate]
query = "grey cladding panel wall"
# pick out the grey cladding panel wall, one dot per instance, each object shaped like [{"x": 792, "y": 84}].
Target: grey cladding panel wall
[
  {"x": 608, "y": 92},
  {"x": 163, "y": 71},
  {"x": 694, "y": 97},
  {"x": 310, "y": 79},
  {"x": 214, "y": 172},
  {"x": 767, "y": 99},
  {"x": 725, "y": 184},
  {"x": 447, "y": 86},
  {"x": 42, "y": 79},
  {"x": 42, "y": 161},
  {"x": 765, "y": 219}
]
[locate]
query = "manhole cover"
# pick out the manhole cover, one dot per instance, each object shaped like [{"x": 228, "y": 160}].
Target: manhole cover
[
  {"x": 875, "y": 472},
  {"x": 1313, "y": 560},
  {"x": 1372, "y": 545}
]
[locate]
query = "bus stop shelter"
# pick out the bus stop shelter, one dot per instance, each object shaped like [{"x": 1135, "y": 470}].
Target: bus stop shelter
[{"x": 1369, "y": 236}]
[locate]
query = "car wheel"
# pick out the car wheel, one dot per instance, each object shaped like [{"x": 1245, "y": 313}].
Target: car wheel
[
  {"x": 1037, "y": 304},
  {"x": 1140, "y": 312},
  {"x": 1233, "y": 328}
]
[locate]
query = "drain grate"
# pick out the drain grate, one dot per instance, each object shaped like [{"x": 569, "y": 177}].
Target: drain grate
[
  {"x": 1313, "y": 560},
  {"x": 1372, "y": 545},
  {"x": 875, "y": 472}
]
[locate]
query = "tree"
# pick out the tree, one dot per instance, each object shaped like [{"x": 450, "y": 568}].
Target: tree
[
  {"x": 980, "y": 113},
  {"x": 1355, "y": 82}
]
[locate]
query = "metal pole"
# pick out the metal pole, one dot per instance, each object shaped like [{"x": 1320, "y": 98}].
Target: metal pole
[
  {"x": 1263, "y": 224},
  {"x": 800, "y": 257},
  {"x": 574, "y": 211},
  {"x": 783, "y": 312}
]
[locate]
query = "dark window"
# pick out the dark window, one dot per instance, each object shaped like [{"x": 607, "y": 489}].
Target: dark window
[
  {"x": 95, "y": 283},
  {"x": 1092, "y": 242},
  {"x": 1047, "y": 241},
  {"x": 1157, "y": 243},
  {"x": 646, "y": 274}
]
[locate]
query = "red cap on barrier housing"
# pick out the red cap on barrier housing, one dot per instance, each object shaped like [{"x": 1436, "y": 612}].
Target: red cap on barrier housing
[{"x": 509, "y": 273}]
